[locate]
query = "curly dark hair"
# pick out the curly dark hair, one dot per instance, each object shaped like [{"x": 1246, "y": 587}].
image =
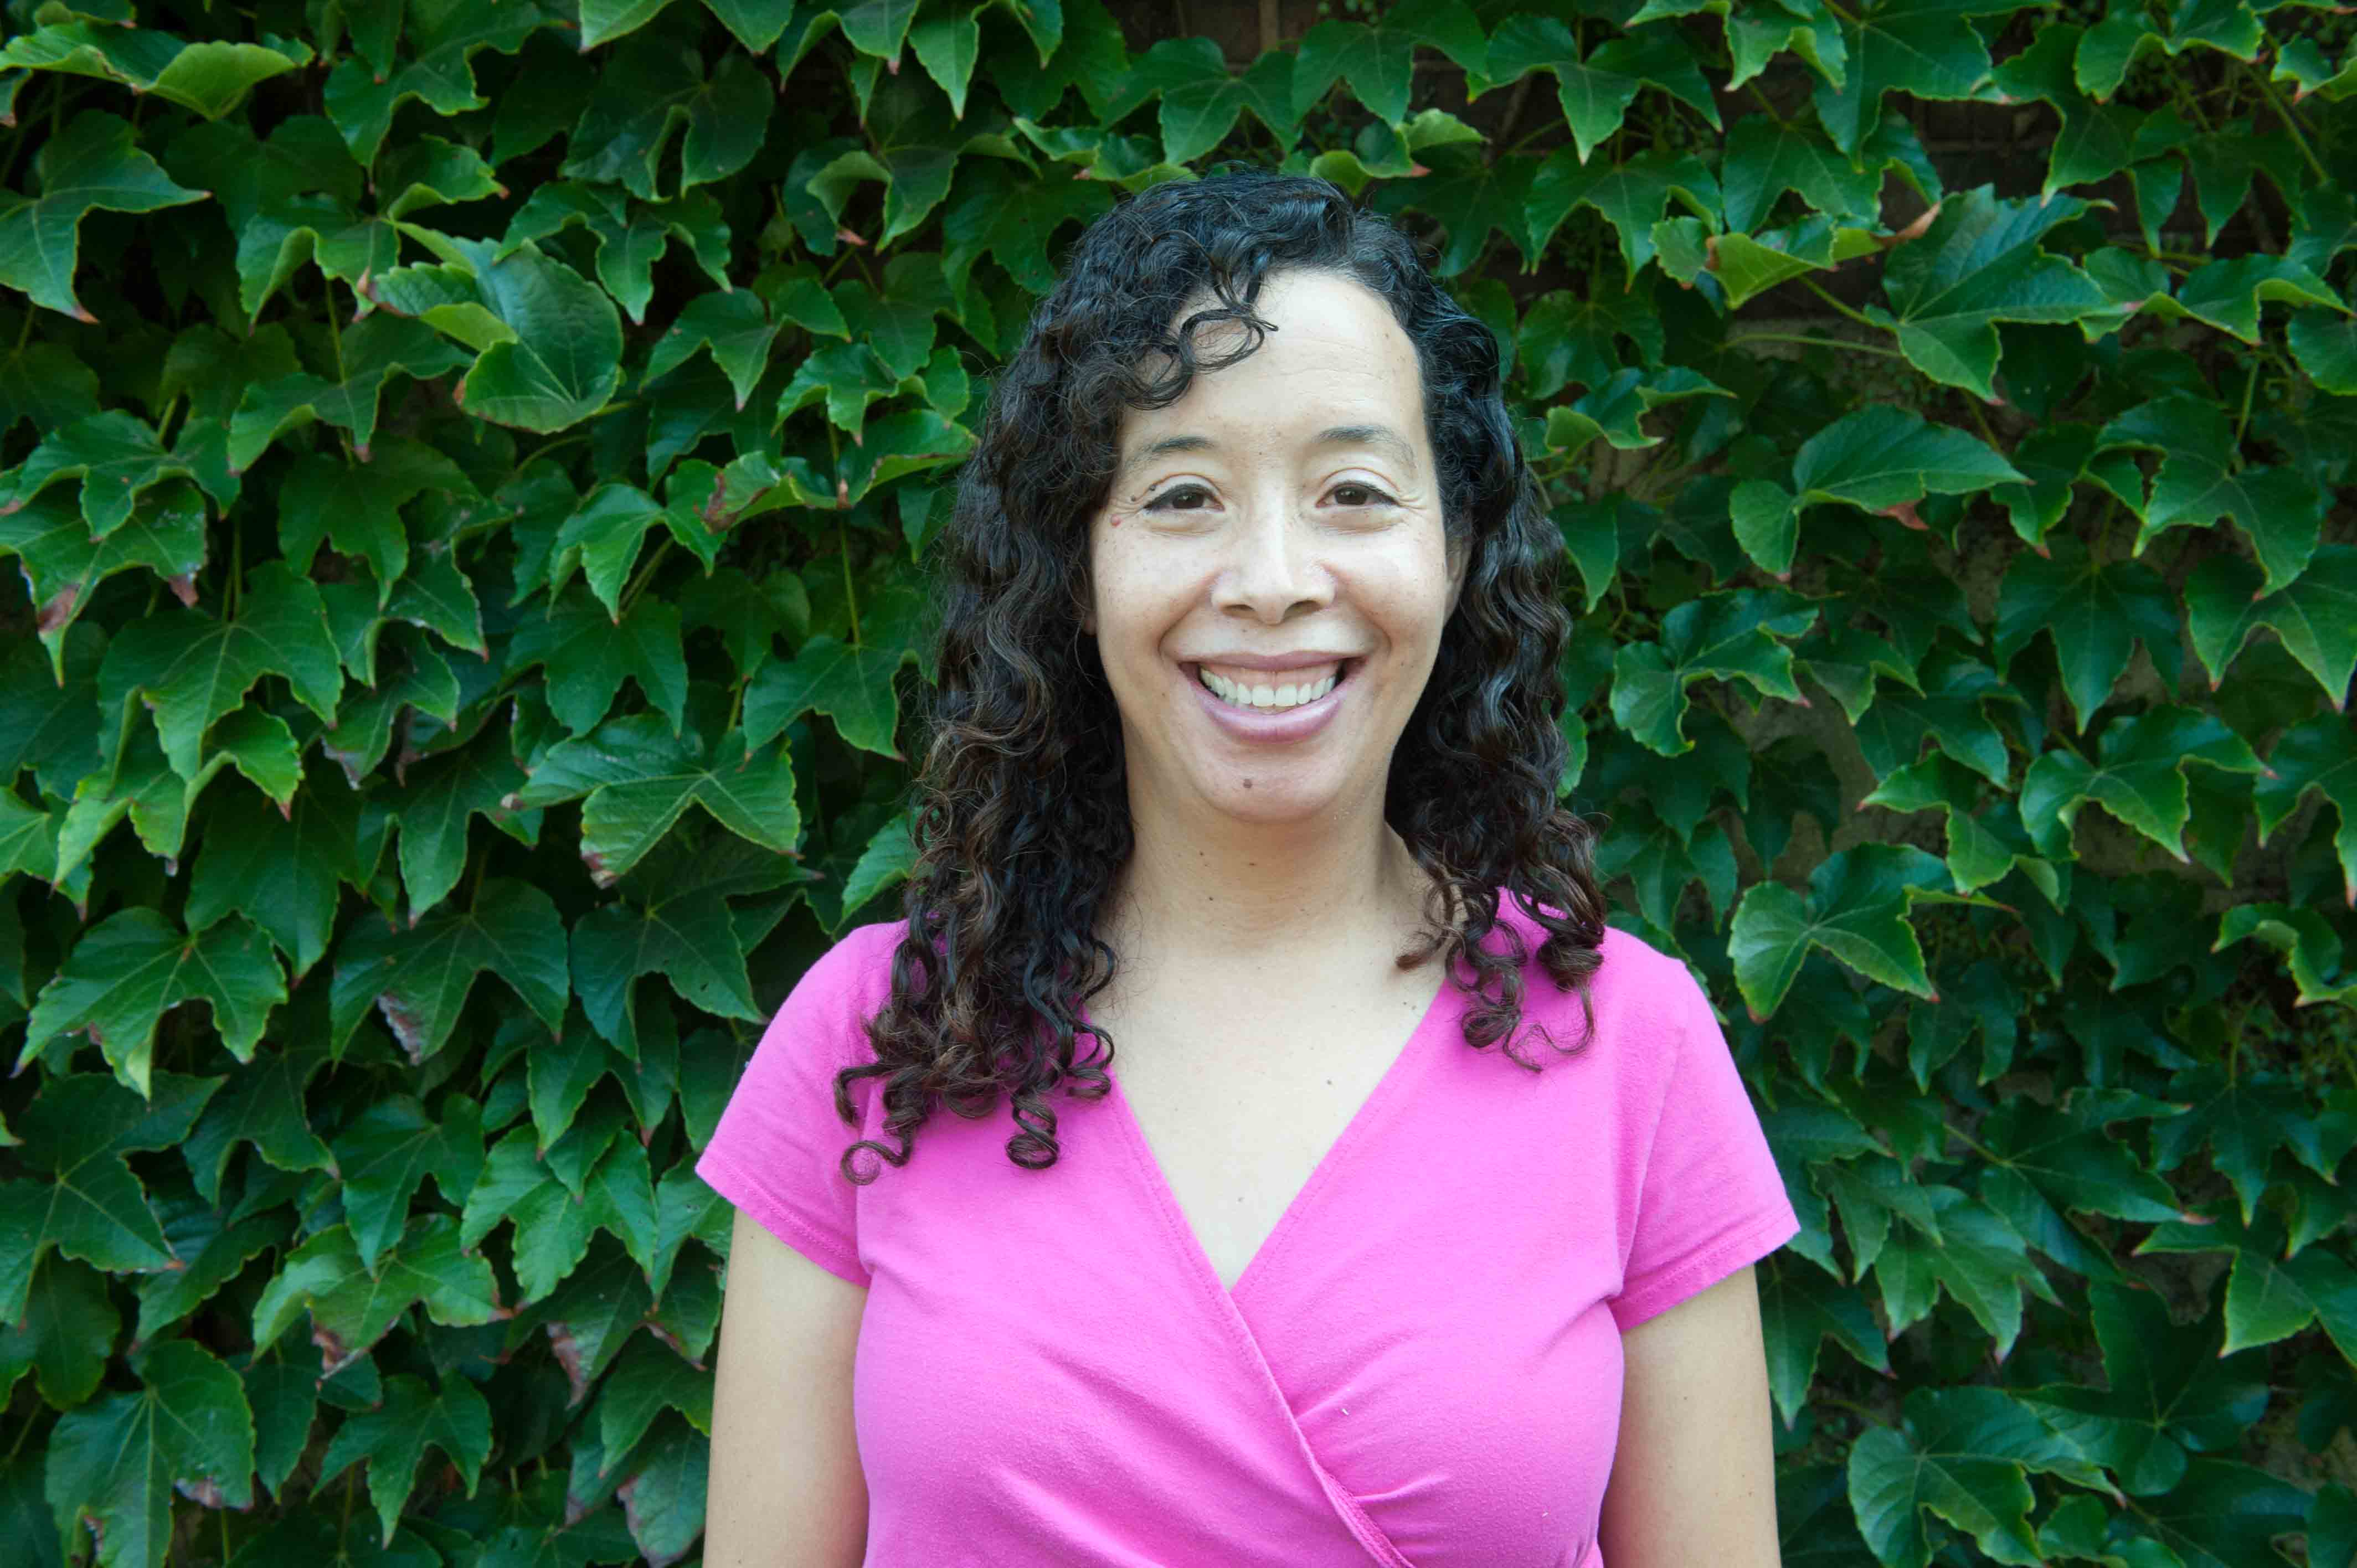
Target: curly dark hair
[{"x": 1021, "y": 813}]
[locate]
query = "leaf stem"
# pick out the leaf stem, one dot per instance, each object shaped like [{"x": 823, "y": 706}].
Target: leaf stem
[
  {"x": 1814, "y": 343},
  {"x": 1967, "y": 1140},
  {"x": 1859, "y": 316},
  {"x": 646, "y": 574},
  {"x": 850, "y": 597},
  {"x": 2283, "y": 113},
  {"x": 1782, "y": 124},
  {"x": 2242, "y": 419}
]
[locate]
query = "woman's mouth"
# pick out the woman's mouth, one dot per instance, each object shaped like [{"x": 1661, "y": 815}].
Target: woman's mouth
[{"x": 1265, "y": 712}]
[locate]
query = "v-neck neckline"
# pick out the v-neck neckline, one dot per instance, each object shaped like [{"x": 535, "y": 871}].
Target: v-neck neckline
[{"x": 1321, "y": 1175}]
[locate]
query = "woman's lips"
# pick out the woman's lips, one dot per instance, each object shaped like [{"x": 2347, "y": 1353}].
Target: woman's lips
[{"x": 1277, "y": 726}]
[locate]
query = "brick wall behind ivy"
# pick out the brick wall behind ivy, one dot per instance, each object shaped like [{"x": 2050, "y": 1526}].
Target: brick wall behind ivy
[{"x": 441, "y": 438}]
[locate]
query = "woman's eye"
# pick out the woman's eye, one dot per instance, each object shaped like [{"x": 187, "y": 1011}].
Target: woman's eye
[
  {"x": 1172, "y": 500},
  {"x": 1356, "y": 494}
]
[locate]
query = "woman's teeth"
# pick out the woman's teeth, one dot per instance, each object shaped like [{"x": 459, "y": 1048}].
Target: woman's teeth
[{"x": 1291, "y": 694}]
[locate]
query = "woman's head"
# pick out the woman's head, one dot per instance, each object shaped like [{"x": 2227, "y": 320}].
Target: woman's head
[{"x": 1022, "y": 821}]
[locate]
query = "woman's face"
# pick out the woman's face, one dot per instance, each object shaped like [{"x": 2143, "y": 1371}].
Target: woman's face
[{"x": 1285, "y": 512}]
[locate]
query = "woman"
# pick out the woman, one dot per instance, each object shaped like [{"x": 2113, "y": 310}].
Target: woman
[{"x": 1247, "y": 711}]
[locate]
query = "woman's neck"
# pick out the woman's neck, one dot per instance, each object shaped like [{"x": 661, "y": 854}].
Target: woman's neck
[{"x": 1254, "y": 894}]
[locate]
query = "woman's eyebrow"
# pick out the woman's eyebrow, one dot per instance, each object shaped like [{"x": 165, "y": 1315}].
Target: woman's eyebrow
[
  {"x": 1382, "y": 436},
  {"x": 1162, "y": 448}
]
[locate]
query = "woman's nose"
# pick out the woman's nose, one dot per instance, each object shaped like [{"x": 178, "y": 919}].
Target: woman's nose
[{"x": 1273, "y": 568}]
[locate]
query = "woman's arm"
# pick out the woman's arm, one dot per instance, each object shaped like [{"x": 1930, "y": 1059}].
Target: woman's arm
[
  {"x": 1694, "y": 1477},
  {"x": 786, "y": 1489}
]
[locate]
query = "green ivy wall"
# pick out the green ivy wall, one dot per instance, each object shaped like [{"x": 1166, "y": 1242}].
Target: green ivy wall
[{"x": 470, "y": 465}]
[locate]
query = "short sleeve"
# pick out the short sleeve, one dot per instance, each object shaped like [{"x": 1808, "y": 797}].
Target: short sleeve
[
  {"x": 778, "y": 1149},
  {"x": 1710, "y": 1198}
]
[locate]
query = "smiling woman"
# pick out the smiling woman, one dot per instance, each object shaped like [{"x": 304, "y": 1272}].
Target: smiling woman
[{"x": 1247, "y": 715}]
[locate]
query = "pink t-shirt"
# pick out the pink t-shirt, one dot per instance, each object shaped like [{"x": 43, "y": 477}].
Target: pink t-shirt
[{"x": 1421, "y": 1366}]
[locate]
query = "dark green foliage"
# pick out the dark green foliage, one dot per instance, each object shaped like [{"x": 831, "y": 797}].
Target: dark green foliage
[{"x": 471, "y": 466}]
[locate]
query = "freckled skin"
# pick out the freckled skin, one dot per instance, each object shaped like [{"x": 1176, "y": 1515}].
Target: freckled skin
[{"x": 1265, "y": 534}]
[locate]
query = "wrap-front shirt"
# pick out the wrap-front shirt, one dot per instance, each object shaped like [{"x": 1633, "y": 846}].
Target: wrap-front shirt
[{"x": 1421, "y": 1367}]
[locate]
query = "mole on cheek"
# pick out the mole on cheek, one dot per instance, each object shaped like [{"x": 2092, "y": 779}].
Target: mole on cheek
[{"x": 1247, "y": 783}]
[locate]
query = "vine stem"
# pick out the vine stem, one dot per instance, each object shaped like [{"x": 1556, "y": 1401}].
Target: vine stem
[
  {"x": 850, "y": 598},
  {"x": 1967, "y": 1140},
  {"x": 1815, "y": 343},
  {"x": 2283, "y": 113},
  {"x": 646, "y": 574},
  {"x": 2242, "y": 419},
  {"x": 1857, "y": 315}
]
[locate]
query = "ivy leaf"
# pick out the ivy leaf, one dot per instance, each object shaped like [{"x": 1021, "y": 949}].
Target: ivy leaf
[
  {"x": 2243, "y": 1119},
  {"x": 1201, "y": 99},
  {"x": 1765, "y": 158},
  {"x": 1923, "y": 47},
  {"x": 1979, "y": 263},
  {"x": 90, "y": 165},
  {"x": 2320, "y": 754},
  {"x": 2138, "y": 778},
  {"x": 2268, "y": 1296},
  {"x": 2064, "y": 1151},
  {"x": 64, "y": 1339},
  {"x": 2198, "y": 484},
  {"x": 116, "y": 457},
  {"x": 419, "y": 978},
  {"x": 1952, "y": 712},
  {"x": 1631, "y": 196},
  {"x": 2168, "y": 1390},
  {"x": 2094, "y": 614},
  {"x": 443, "y": 43},
  {"x": 93, "y": 1209},
  {"x": 392, "y": 1439},
  {"x": 380, "y": 346},
  {"x": 2224, "y": 1512},
  {"x": 131, "y": 969},
  {"x": 947, "y": 47},
  {"x": 663, "y": 1496},
  {"x": 209, "y": 78},
  {"x": 637, "y": 780},
  {"x": 1798, "y": 1308},
  {"x": 648, "y": 1379},
  {"x": 735, "y": 327},
  {"x": 1469, "y": 198},
  {"x": 850, "y": 684},
  {"x": 1596, "y": 91},
  {"x": 116, "y": 1464},
  {"x": 1377, "y": 57},
  {"x": 1965, "y": 1454},
  {"x": 1728, "y": 637},
  {"x": 263, "y": 1106},
  {"x": 1855, "y": 908},
  {"x": 2315, "y": 616},
  {"x": 2313, "y": 947},
  {"x": 2227, "y": 294},
  {"x": 215, "y": 1253},
  {"x": 351, "y": 1309},
  {"x": 1984, "y": 846},
  {"x": 887, "y": 860},
  {"x": 630, "y": 241},
  {"x": 689, "y": 941},
  {"x": 550, "y": 341},
  {"x": 1880, "y": 459},
  {"x": 64, "y": 562},
  {"x": 646, "y": 94},
  {"x": 552, "y": 1230},
  {"x": 191, "y": 668},
  {"x": 588, "y": 655},
  {"x": 386, "y": 1154}
]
